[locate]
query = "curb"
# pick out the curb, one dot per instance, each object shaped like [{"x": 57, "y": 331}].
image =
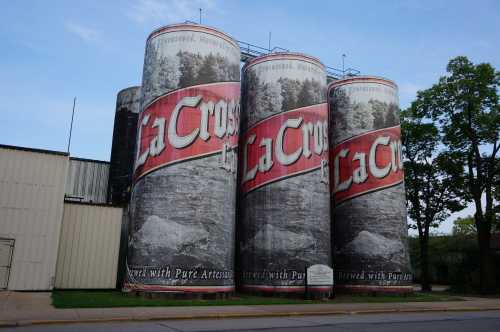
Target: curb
[
  {"x": 5, "y": 324},
  {"x": 8, "y": 324}
]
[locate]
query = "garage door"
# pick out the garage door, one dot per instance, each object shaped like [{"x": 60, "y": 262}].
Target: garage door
[{"x": 6, "y": 250}]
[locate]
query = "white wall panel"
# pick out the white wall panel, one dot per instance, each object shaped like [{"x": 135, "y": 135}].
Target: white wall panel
[{"x": 89, "y": 246}]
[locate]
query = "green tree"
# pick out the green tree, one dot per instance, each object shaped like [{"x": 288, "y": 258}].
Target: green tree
[
  {"x": 464, "y": 226},
  {"x": 250, "y": 96},
  {"x": 289, "y": 92},
  {"x": 431, "y": 192},
  {"x": 379, "y": 109},
  {"x": 306, "y": 94},
  {"x": 465, "y": 105},
  {"x": 208, "y": 70},
  {"x": 189, "y": 66},
  {"x": 392, "y": 117}
]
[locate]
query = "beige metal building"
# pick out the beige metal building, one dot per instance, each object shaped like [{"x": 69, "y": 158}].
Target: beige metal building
[
  {"x": 45, "y": 241},
  {"x": 31, "y": 206}
]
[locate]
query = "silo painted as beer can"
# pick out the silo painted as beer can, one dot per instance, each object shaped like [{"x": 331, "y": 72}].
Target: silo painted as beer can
[
  {"x": 284, "y": 209},
  {"x": 367, "y": 188},
  {"x": 184, "y": 193}
]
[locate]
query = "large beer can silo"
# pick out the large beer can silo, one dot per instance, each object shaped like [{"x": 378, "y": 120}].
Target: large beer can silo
[
  {"x": 184, "y": 193},
  {"x": 123, "y": 145},
  {"x": 284, "y": 200},
  {"x": 367, "y": 187}
]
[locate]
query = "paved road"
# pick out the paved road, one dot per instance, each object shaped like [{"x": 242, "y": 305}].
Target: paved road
[{"x": 456, "y": 322}]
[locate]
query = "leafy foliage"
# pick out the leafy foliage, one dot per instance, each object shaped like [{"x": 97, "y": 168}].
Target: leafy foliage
[
  {"x": 464, "y": 226},
  {"x": 464, "y": 105},
  {"x": 432, "y": 193},
  {"x": 453, "y": 262}
]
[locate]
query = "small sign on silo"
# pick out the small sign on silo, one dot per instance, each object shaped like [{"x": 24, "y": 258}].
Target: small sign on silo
[{"x": 319, "y": 281}]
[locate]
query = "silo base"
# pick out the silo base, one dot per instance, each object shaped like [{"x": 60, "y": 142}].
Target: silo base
[
  {"x": 181, "y": 295},
  {"x": 179, "y": 292},
  {"x": 373, "y": 290}
]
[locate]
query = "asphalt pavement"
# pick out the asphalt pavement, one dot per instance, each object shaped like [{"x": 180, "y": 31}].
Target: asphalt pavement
[{"x": 484, "y": 321}]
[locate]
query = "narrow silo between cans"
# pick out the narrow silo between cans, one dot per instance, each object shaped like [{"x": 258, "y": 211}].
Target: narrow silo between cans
[
  {"x": 367, "y": 187},
  {"x": 122, "y": 163},
  {"x": 123, "y": 145},
  {"x": 184, "y": 194},
  {"x": 284, "y": 200}
]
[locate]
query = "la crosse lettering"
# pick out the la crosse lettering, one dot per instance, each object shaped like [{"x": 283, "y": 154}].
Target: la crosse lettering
[
  {"x": 366, "y": 163},
  {"x": 189, "y": 123},
  {"x": 285, "y": 144}
]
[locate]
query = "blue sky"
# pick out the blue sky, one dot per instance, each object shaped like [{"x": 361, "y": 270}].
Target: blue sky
[{"x": 51, "y": 51}]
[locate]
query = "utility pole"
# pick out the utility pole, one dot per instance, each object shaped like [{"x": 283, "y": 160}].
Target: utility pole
[
  {"x": 71, "y": 126},
  {"x": 200, "y": 16},
  {"x": 343, "y": 66},
  {"x": 269, "y": 42}
]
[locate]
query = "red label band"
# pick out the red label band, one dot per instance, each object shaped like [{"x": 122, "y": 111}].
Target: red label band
[
  {"x": 189, "y": 123},
  {"x": 283, "y": 145},
  {"x": 366, "y": 163}
]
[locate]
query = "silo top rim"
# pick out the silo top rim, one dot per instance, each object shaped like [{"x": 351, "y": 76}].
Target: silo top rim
[
  {"x": 129, "y": 88},
  {"x": 284, "y": 56},
  {"x": 192, "y": 27},
  {"x": 362, "y": 79}
]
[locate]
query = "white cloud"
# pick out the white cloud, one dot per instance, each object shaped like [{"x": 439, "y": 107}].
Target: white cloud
[
  {"x": 86, "y": 33},
  {"x": 160, "y": 12}
]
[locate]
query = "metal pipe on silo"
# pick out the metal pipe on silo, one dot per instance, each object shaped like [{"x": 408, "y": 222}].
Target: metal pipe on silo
[
  {"x": 284, "y": 200},
  {"x": 367, "y": 187},
  {"x": 183, "y": 199}
]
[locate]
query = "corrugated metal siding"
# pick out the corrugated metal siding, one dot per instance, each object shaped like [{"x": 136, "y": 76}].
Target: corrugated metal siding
[
  {"x": 31, "y": 204},
  {"x": 87, "y": 180},
  {"x": 89, "y": 245}
]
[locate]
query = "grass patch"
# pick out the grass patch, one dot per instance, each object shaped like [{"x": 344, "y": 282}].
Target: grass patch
[
  {"x": 108, "y": 299},
  {"x": 113, "y": 298},
  {"x": 474, "y": 293}
]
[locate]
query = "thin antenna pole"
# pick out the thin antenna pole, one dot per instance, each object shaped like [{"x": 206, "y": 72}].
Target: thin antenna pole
[
  {"x": 200, "y": 15},
  {"x": 269, "y": 41},
  {"x": 71, "y": 126},
  {"x": 343, "y": 66}
]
